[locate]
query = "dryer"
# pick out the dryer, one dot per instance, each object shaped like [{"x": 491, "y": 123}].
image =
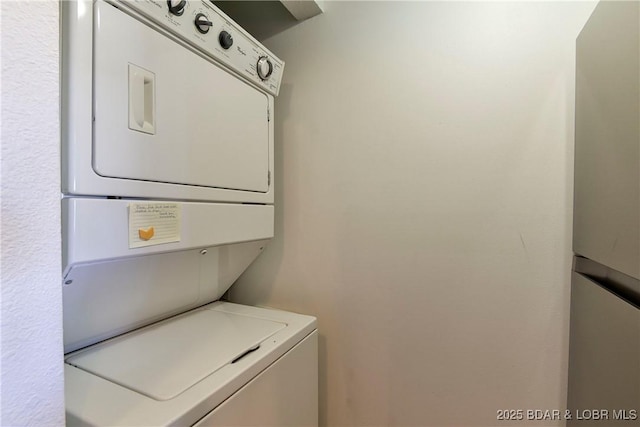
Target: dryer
[{"x": 167, "y": 122}]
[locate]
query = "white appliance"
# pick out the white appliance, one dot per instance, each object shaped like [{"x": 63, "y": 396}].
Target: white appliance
[{"x": 167, "y": 119}]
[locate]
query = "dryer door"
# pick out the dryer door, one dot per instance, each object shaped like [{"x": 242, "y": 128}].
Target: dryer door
[{"x": 166, "y": 114}]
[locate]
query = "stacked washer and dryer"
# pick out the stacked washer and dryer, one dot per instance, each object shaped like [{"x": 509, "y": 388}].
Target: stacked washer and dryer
[{"x": 167, "y": 118}]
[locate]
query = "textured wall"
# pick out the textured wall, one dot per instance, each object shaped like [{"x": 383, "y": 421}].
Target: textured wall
[
  {"x": 31, "y": 376},
  {"x": 424, "y": 198}
]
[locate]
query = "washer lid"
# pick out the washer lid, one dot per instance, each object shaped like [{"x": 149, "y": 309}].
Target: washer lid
[{"x": 163, "y": 360}]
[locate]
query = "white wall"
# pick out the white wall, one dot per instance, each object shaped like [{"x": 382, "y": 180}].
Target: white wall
[
  {"x": 424, "y": 195},
  {"x": 31, "y": 334}
]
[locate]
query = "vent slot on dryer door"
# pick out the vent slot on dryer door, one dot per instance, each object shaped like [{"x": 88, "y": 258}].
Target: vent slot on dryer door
[{"x": 188, "y": 123}]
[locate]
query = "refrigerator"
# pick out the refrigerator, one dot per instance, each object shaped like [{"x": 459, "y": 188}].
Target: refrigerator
[{"x": 604, "y": 347}]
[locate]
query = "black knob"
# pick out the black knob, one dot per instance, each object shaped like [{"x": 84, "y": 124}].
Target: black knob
[
  {"x": 202, "y": 23},
  {"x": 225, "y": 40},
  {"x": 176, "y": 6}
]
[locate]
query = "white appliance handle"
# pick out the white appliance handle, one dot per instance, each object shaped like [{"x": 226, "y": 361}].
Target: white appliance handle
[{"x": 142, "y": 112}]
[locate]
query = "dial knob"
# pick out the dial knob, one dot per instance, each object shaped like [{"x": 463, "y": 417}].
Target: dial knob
[
  {"x": 264, "y": 67},
  {"x": 225, "y": 40},
  {"x": 176, "y": 6},
  {"x": 202, "y": 23}
]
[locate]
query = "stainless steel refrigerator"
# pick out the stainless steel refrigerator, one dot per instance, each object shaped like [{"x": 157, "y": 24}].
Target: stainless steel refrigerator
[{"x": 604, "y": 351}]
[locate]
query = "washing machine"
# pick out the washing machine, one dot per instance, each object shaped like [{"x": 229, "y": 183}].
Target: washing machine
[{"x": 167, "y": 197}]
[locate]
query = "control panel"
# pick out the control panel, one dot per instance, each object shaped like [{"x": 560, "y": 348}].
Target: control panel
[{"x": 205, "y": 27}]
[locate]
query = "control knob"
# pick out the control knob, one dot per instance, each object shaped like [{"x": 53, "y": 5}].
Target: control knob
[
  {"x": 264, "y": 67},
  {"x": 176, "y": 6},
  {"x": 225, "y": 40},
  {"x": 202, "y": 23}
]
